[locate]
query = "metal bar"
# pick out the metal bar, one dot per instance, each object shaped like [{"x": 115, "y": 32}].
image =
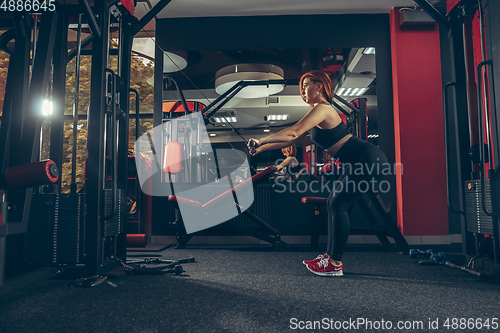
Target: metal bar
[
  {"x": 341, "y": 109},
  {"x": 18, "y": 83},
  {"x": 179, "y": 90},
  {"x": 241, "y": 84},
  {"x": 94, "y": 193},
  {"x": 233, "y": 93},
  {"x": 137, "y": 184},
  {"x": 136, "y": 113},
  {"x": 3, "y": 238},
  {"x": 362, "y": 117},
  {"x": 120, "y": 46},
  {"x": 433, "y": 12},
  {"x": 238, "y": 86},
  {"x": 20, "y": 89},
  {"x": 467, "y": 81},
  {"x": 35, "y": 30},
  {"x": 86, "y": 42},
  {"x": 484, "y": 79},
  {"x": 464, "y": 166},
  {"x": 224, "y": 95},
  {"x": 89, "y": 15},
  {"x": 6, "y": 116},
  {"x": 38, "y": 87},
  {"x": 126, "y": 40},
  {"x": 114, "y": 159},
  {"x": 158, "y": 88},
  {"x": 58, "y": 95},
  {"x": 151, "y": 14},
  {"x": 448, "y": 173},
  {"x": 346, "y": 103},
  {"x": 75, "y": 105}
]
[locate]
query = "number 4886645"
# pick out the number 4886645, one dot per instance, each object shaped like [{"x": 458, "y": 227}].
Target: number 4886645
[{"x": 30, "y": 6}]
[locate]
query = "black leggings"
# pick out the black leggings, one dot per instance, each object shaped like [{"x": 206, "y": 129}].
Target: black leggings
[{"x": 363, "y": 165}]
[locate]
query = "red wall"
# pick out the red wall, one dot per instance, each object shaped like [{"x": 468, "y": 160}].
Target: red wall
[{"x": 419, "y": 130}]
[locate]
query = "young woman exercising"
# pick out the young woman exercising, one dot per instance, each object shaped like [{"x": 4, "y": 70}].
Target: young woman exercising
[{"x": 329, "y": 132}]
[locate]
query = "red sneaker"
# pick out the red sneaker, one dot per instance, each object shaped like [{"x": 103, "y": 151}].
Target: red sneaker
[
  {"x": 318, "y": 258},
  {"x": 325, "y": 267}
]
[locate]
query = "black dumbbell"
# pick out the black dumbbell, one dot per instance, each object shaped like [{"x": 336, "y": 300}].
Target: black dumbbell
[
  {"x": 438, "y": 257},
  {"x": 177, "y": 270}
]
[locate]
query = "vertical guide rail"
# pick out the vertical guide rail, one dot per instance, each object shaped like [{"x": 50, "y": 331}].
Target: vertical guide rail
[
  {"x": 58, "y": 94},
  {"x": 362, "y": 117},
  {"x": 125, "y": 58},
  {"x": 136, "y": 93},
  {"x": 137, "y": 184},
  {"x": 484, "y": 79},
  {"x": 467, "y": 59},
  {"x": 114, "y": 150},
  {"x": 75, "y": 106},
  {"x": 460, "y": 210},
  {"x": 95, "y": 120},
  {"x": 6, "y": 113}
]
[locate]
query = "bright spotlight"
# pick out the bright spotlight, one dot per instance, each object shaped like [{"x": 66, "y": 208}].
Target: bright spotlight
[{"x": 47, "y": 107}]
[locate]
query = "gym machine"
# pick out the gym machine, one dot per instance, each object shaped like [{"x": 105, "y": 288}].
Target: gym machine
[
  {"x": 80, "y": 234},
  {"x": 20, "y": 129},
  {"x": 471, "y": 129}
]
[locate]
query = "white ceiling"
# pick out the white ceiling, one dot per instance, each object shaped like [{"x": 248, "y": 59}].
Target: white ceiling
[
  {"x": 205, "y": 8},
  {"x": 210, "y": 8}
]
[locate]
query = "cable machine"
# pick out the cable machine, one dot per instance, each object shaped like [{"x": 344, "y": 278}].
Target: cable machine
[
  {"x": 75, "y": 234},
  {"x": 471, "y": 128},
  {"x": 22, "y": 171}
]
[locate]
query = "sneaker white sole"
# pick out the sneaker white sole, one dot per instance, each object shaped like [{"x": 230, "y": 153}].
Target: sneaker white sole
[{"x": 337, "y": 273}]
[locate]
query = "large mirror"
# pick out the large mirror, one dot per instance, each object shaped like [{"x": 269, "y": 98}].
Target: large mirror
[{"x": 206, "y": 74}]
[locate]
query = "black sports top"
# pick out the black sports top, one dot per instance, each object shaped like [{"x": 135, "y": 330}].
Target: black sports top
[{"x": 325, "y": 138}]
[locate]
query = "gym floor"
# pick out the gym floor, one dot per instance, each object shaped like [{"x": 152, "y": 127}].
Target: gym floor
[{"x": 253, "y": 289}]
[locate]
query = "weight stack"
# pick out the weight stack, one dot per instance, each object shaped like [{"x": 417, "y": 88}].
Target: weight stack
[
  {"x": 476, "y": 219},
  {"x": 56, "y": 229},
  {"x": 115, "y": 225}
]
